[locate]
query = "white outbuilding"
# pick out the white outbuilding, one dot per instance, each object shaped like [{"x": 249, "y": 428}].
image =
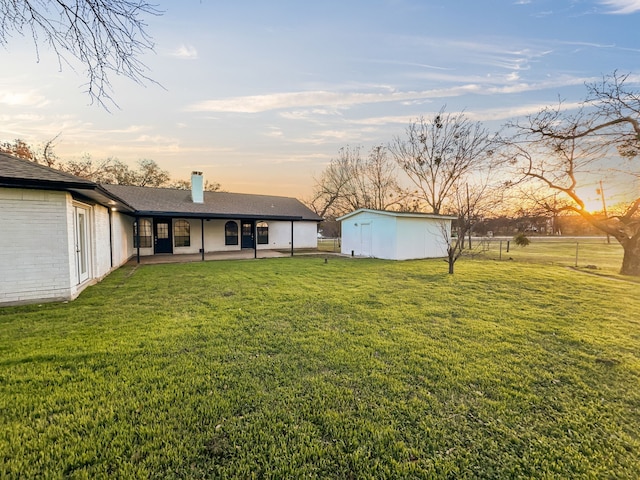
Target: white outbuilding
[{"x": 395, "y": 235}]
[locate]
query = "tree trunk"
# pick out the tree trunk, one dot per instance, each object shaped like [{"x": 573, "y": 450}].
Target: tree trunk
[
  {"x": 451, "y": 257},
  {"x": 631, "y": 258}
]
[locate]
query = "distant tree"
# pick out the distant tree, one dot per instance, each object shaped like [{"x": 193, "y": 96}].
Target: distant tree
[
  {"x": 186, "y": 185},
  {"x": 106, "y": 36},
  {"x": 559, "y": 150},
  {"x": 350, "y": 182},
  {"x": 109, "y": 171},
  {"x": 43, "y": 155},
  {"x": 451, "y": 162}
]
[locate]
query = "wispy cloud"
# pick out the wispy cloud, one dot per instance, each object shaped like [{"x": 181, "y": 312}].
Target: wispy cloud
[
  {"x": 327, "y": 99},
  {"x": 186, "y": 52},
  {"x": 27, "y": 99},
  {"x": 622, "y": 7}
]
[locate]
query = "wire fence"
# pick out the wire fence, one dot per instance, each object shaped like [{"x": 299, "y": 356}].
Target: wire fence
[{"x": 594, "y": 253}]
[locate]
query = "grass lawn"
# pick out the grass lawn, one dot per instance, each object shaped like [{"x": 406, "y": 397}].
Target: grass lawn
[{"x": 292, "y": 368}]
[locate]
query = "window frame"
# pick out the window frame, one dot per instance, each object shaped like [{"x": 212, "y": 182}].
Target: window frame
[
  {"x": 231, "y": 239},
  {"x": 181, "y": 238},
  {"x": 145, "y": 227},
  {"x": 262, "y": 233}
]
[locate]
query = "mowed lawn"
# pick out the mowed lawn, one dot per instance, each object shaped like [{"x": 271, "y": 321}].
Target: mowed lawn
[{"x": 296, "y": 368}]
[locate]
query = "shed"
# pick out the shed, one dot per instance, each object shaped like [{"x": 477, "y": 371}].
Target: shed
[{"x": 395, "y": 235}]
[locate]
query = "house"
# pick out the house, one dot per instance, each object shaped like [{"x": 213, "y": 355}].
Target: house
[
  {"x": 395, "y": 235},
  {"x": 61, "y": 233}
]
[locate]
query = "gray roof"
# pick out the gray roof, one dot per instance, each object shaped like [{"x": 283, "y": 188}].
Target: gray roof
[
  {"x": 14, "y": 171},
  {"x": 173, "y": 202}
]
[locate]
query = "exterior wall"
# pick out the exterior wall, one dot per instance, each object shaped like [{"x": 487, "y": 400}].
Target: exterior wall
[
  {"x": 393, "y": 237},
  {"x": 305, "y": 235},
  {"x": 122, "y": 235},
  {"x": 34, "y": 245},
  {"x": 214, "y": 236},
  {"x": 369, "y": 234},
  {"x": 420, "y": 238},
  {"x": 100, "y": 242}
]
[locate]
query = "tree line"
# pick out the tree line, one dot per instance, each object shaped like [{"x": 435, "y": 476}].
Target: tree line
[
  {"x": 112, "y": 171},
  {"x": 447, "y": 164}
]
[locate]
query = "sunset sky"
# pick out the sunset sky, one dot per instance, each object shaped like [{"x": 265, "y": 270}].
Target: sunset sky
[{"x": 261, "y": 95}]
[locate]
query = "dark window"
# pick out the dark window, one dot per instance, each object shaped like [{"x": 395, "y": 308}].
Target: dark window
[
  {"x": 181, "y": 233},
  {"x": 263, "y": 232},
  {"x": 231, "y": 233},
  {"x": 145, "y": 234}
]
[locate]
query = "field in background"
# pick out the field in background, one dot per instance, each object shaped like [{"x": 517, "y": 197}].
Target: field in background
[
  {"x": 592, "y": 254},
  {"x": 353, "y": 368}
]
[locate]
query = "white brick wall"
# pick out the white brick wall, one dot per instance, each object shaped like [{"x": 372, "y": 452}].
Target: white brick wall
[{"x": 34, "y": 247}]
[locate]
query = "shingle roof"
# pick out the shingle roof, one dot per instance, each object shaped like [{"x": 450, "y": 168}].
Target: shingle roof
[
  {"x": 14, "y": 171},
  {"x": 169, "y": 201}
]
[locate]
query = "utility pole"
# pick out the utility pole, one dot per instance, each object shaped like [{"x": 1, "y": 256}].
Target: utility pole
[{"x": 604, "y": 206}]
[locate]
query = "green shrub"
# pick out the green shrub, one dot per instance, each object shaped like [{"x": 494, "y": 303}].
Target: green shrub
[{"x": 521, "y": 240}]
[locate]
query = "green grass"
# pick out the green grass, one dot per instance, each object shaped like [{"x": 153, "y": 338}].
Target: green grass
[
  {"x": 591, "y": 254},
  {"x": 292, "y": 368}
]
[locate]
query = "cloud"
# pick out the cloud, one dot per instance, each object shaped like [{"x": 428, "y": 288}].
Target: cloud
[
  {"x": 22, "y": 99},
  {"x": 322, "y": 98},
  {"x": 186, "y": 52},
  {"x": 622, "y": 6}
]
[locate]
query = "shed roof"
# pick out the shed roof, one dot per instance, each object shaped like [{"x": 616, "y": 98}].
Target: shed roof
[{"x": 432, "y": 216}]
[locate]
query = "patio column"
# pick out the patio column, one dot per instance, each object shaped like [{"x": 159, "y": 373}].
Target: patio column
[
  {"x": 292, "y": 238},
  {"x": 138, "y": 238},
  {"x": 202, "y": 235},
  {"x": 255, "y": 239}
]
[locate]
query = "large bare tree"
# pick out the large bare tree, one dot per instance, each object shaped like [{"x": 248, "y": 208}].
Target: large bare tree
[
  {"x": 352, "y": 181},
  {"x": 561, "y": 150},
  {"x": 105, "y": 36},
  {"x": 451, "y": 161}
]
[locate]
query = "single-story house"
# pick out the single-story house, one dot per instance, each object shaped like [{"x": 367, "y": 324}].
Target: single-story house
[
  {"x": 395, "y": 235},
  {"x": 61, "y": 233}
]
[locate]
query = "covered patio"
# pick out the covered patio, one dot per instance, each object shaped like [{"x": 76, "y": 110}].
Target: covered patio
[{"x": 244, "y": 254}]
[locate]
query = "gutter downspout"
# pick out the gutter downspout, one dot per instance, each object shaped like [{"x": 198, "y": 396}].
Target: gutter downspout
[
  {"x": 255, "y": 239},
  {"x": 202, "y": 235},
  {"x": 292, "y": 238}
]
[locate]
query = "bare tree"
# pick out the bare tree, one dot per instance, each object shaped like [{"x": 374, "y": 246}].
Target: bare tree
[
  {"x": 43, "y": 155},
  {"x": 350, "y": 182},
  {"x": 440, "y": 154},
  {"x": 560, "y": 151},
  {"x": 451, "y": 162},
  {"x": 106, "y": 37}
]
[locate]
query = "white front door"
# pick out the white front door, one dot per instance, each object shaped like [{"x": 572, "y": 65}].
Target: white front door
[{"x": 81, "y": 220}]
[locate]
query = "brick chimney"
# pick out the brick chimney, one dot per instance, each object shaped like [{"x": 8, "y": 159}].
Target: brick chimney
[{"x": 197, "y": 187}]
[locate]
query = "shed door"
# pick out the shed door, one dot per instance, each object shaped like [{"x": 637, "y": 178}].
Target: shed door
[{"x": 365, "y": 239}]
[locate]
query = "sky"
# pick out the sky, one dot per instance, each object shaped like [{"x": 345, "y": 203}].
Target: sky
[{"x": 261, "y": 95}]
